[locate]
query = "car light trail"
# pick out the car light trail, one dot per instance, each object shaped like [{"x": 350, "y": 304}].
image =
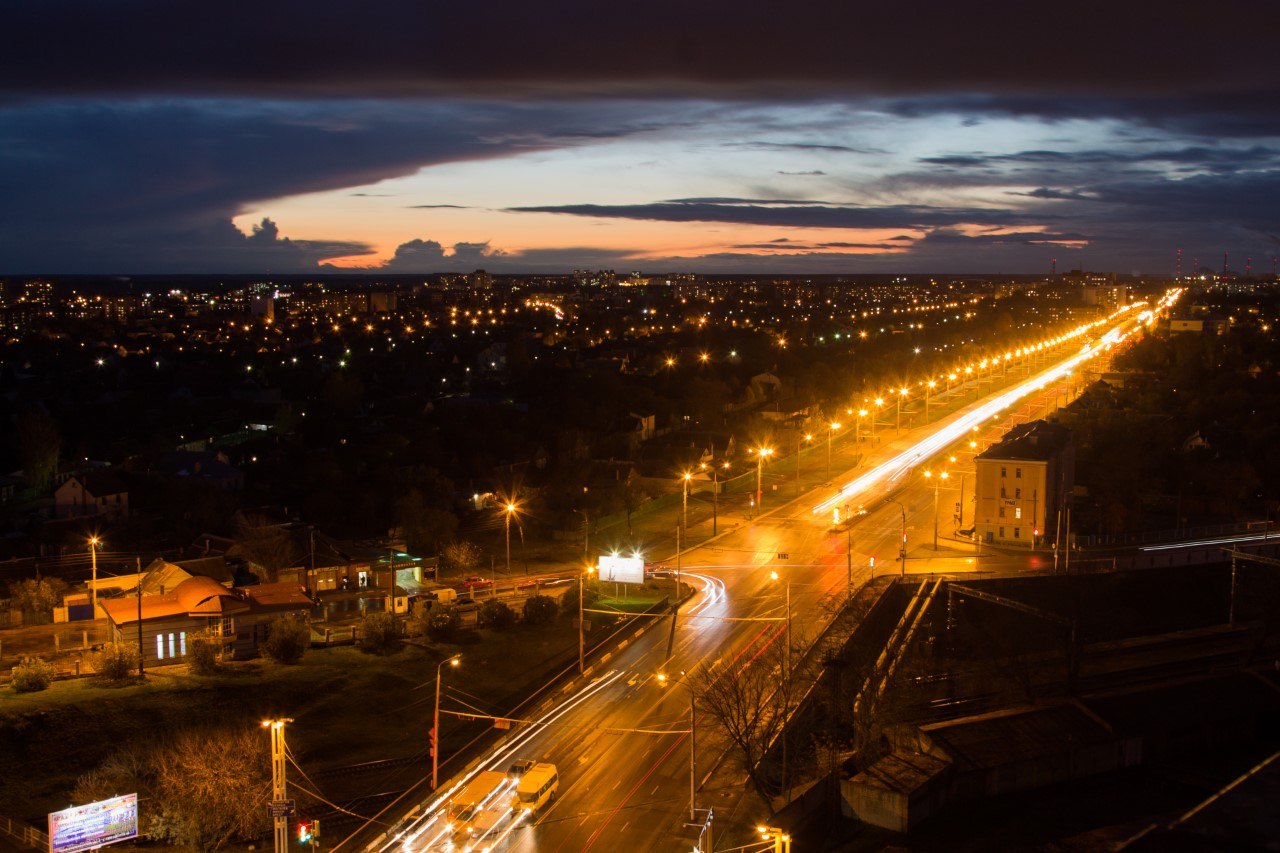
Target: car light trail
[{"x": 894, "y": 469}]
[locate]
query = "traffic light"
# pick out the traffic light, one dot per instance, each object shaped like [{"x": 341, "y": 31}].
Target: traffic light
[{"x": 304, "y": 832}]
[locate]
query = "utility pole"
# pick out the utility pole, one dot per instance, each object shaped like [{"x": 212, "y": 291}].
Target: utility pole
[
  {"x": 93, "y": 588},
  {"x": 278, "y": 791},
  {"x": 435, "y": 727},
  {"x": 582, "y": 640},
  {"x": 693, "y": 761},
  {"x": 142, "y": 673}
]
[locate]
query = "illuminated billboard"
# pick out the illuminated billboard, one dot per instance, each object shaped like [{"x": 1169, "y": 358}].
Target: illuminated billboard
[
  {"x": 621, "y": 569},
  {"x": 95, "y": 825}
]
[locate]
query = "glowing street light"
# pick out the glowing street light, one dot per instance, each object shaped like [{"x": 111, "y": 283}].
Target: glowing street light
[
  {"x": 435, "y": 728},
  {"x": 94, "y": 542},
  {"x": 831, "y": 430},
  {"x": 511, "y": 510},
  {"x": 937, "y": 484},
  {"x": 761, "y": 453}
]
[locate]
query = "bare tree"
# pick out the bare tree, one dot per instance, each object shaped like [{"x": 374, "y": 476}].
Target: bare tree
[
  {"x": 461, "y": 556},
  {"x": 749, "y": 702},
  {"x": 204, "y": 788}
]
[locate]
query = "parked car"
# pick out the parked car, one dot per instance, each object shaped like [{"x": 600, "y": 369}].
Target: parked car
[{"x": 475, "y": 582}]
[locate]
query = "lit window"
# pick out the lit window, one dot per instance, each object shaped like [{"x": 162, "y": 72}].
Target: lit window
[
  {"x": 182, "y": 643},
  {"x": 172, "y": 651},
  {"x": 159, "y": 646},
  {"x": 1017, "y": 512}
]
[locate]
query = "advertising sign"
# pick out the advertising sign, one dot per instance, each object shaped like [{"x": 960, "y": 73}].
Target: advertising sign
[
  {"x": 622, "y": 569},
  {"x": 95, "y": 825}
]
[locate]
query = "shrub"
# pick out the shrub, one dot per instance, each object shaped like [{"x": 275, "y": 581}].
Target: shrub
[
  {"x": 32, "y": 674},
  {"x": 287, "y": 640},
  {"x": 116, "y": 661},
  {"x": 442, "y": 623},
  {"x": 37, "y": 598},
  {"x": 378, "y": 633},
  {"x": 540, "y": 609},
  {"x": 204, "y": 651},
  {"x": 496, "y": 615}
]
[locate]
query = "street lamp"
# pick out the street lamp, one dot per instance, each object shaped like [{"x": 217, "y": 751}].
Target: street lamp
[
  {"x": 511, "y": 510},
  {"x": 94, "y": 542},
  {"x": 715, "y": 492},
  {"x": 830, "y": 432},
  {"x": 582, "y": 641},
  {"x": 693, "y": 741},
  {"x": 937, "y": 484},
  {"x": 879, "y": 405},
  {"x": 902, "y": 393},
  {"x": 684, "y": 506},
  {"x": 807, "y": 437},
  {"x": 435, "y": 728},
  {"x": 781, "y": 841},
  {"x": 902, "y": 550},
  {"x": 857, "y": 430},
  {"x": 786, "y": 668},
  {"x": 929, "y": 386},
  {"x": 761, "y": 453}
]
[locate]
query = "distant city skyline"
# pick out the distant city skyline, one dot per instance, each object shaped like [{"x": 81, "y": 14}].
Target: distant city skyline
[{"x": 314, "y": 137}]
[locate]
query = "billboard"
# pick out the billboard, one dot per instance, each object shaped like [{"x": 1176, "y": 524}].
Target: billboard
[
  {"x": 97, "y": 824},
  {"x": 621, "y": 569}
]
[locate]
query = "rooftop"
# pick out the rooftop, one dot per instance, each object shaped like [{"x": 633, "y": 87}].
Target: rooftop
[{"x": 1033, "y": 441}]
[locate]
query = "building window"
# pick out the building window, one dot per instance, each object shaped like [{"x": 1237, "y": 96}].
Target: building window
[
  {"x": 1017, "y": 533},
  {"x": 1004, "y": 472},
  {"x": 1002, "y": 512},
  {"x": 159, "y": 646},
  {"x": 172, "y": 651},
  {"x": 1017, "y": 512},
  {"x": 1017, "y": 493},
  {"x": 1002, "y": 492},
  {"x": 1017, "y": 472},
  {"x": 1001, "y": 532},
  {"x": 363, "y": 579},
  {"x": 182, "y": 643}
]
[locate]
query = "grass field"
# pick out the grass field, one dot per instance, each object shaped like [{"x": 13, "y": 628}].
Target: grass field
[{"x": 347, "y": 706}]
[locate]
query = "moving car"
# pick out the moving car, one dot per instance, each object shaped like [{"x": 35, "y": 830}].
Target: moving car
[{"x": 536, "y": 787}]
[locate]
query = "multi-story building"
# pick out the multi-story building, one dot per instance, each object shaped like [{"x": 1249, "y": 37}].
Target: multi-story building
[{"x": 1023, "y": 483}]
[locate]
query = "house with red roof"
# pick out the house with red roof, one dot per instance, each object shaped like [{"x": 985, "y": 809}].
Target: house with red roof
[{"x": 241, "y": 616}]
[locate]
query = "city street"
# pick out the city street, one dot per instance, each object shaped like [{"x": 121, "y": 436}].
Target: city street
[{"x": 621, "y": 743}]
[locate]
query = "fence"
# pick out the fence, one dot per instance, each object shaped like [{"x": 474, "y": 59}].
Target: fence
[{"x": 23, "y": 834}]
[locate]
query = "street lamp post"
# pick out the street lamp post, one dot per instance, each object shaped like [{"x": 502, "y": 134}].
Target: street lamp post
[
  {"x": 94, "y": 542},
  {"x": 781, "y": 840},
  {"x": 693, "y": 743},
  {"x": 435, "y": 727},
  {"x": 786, "y": 667},
  {"x": 279, "y": 791},
  {"x": 876, "y": 415},
  {"x": 511, "y": 508},
  {"x": 902, "y": 548},
  {"x": 902, "y": 393},
  {"x": 761, "y": 453},
  {"x": 831, "y": 431},
  {"x": 684, "y": 506},
  {"x": 582, "y": 640},
  {"x": 807, "y": 437},
  {"x": 929, "y": 386},
  {"x": 937, "y": 485}
]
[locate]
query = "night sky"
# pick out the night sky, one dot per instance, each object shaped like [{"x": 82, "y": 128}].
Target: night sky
[{"x": 150, "y": 137}]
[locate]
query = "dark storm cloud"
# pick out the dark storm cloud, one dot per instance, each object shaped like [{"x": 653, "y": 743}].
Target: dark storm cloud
[
  {"x": 1223, "y": 158},
  {"x": 409, "y": 47},
  {"x": 794, "y": 214},
  {"x": 152, "y": 185},
  {"x": 430, "y": 256}
]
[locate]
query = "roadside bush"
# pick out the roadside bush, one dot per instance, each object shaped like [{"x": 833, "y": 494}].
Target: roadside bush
[
  {"x": 540, "y": 609},
  {"x": 496, "y": 615},
  {"x": 37, "y": 598},
  {"x": 378, "y": 633},
  {"x": 32, "y": 674},
  {"x": 442, "y": 623},
  {"x": 204, "y": 651},
  {"x": 116, "y": 661},
  {"x": 287, "y": 640}
]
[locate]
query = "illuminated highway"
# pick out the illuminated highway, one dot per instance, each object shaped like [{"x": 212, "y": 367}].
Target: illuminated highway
[{"x": 621, "y": 740}]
